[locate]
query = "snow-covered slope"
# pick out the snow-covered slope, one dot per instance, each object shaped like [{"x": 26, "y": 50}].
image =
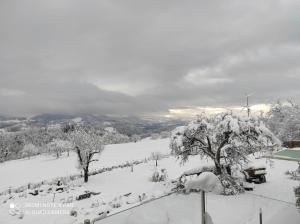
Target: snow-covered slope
[{"x": 19, "y": 172}]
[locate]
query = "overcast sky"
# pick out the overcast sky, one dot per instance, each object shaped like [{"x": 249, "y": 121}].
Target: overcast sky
[{"x": 135, "y": 57}]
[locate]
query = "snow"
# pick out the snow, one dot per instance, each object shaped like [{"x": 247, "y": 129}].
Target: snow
[
  {"x": 49, "y": 167},
  {"x": 255, "y": 164},
  {"x": 206, "y": 181},
  {"x": 136, "y": 185},
  {"x": 199, "y": 169}
]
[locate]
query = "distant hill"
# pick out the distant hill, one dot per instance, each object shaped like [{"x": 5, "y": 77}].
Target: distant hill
[{"x": 128, "y": 125}]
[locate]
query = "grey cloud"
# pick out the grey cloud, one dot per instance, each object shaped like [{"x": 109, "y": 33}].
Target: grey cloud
[{"x": 134, "y": 57}]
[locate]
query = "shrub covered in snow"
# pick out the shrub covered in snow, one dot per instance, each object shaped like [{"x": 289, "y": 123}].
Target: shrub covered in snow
[
  {"x": 231, "y": 186},
  {"x": 295, "y": 175},
  {"x": 159, "y": 175},
  {"x": 206, "y": 181}
]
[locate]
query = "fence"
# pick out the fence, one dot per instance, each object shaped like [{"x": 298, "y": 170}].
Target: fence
[{"x": 70, "y": 178}]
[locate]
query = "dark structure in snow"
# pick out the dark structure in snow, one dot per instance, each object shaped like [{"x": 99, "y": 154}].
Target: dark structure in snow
[{"x": 292, "y": 144}]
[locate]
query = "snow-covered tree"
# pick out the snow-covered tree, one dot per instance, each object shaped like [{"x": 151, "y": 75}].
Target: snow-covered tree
[
  {"x": 87, "y": 143},
  {"x": 284, "y": 120},
  {"x": 156, "y": 156},
  {"x": 58, "y": 146},
  {"x": 30, "y": 150},
  {"x": 224, "y": 138},
  {"x": 4, "y": 146}
]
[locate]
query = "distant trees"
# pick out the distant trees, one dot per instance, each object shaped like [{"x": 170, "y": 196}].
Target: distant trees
[
  {"x": 114, "y": 137},
  {"x": 4, "y": 147},
  {"x": 11, "y": 144},
  {"x": 224, "y": 138},
  {"x": 52, "y": 138},
  {"x": 58, "y": 146},
  {"x": 30, "y": 150},
  {"x": 87, "y": 143},
  {"x": 284, "y": 120}
]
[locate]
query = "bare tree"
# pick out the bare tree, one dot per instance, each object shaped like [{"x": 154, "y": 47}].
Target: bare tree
[{"x": 156, "y": 156}]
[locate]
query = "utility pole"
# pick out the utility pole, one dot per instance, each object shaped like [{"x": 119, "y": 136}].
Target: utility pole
[{"x": 247, "y": 104}]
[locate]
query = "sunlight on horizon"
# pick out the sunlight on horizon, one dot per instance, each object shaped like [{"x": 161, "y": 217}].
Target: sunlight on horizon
[{"x": 257, "y": 109}]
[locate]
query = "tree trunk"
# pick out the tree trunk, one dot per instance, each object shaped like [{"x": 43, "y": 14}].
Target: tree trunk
[
  {"x": 86, "y": 175},
  {"x": 218, "y": 167},
  {"x": 156, "y": 162}
]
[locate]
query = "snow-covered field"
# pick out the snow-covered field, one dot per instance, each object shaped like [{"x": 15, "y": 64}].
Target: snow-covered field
[
  {"x": 19, "y": 172},
  {"x": 276, "y": 197}
]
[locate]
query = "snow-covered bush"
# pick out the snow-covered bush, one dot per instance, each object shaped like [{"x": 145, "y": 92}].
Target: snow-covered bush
[
  {"x": 117, "y": 202},
  {"x": 206, "y": 181},
  {"x": 295, "y": 175},
  {"x": 231, "y": 186},
  {"x": 159, "y": 175}
]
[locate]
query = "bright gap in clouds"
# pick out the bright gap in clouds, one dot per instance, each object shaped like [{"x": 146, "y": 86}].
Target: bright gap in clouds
[{"x": 190, "y": 112}]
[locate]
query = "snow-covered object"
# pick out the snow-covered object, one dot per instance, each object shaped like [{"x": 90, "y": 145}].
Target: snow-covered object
[
  {"x": 159, "y": 175},
  {"x": 255, "y": 165},
  {"x": 199, "y": 169},
  {"x": 206, "y": 181},
  {"x": 227, "y": 136}
]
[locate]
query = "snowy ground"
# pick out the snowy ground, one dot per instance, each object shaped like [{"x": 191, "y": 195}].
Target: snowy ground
[
  {"x": 19, "y": 172},
  {"x": 276, "y": 197}
]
